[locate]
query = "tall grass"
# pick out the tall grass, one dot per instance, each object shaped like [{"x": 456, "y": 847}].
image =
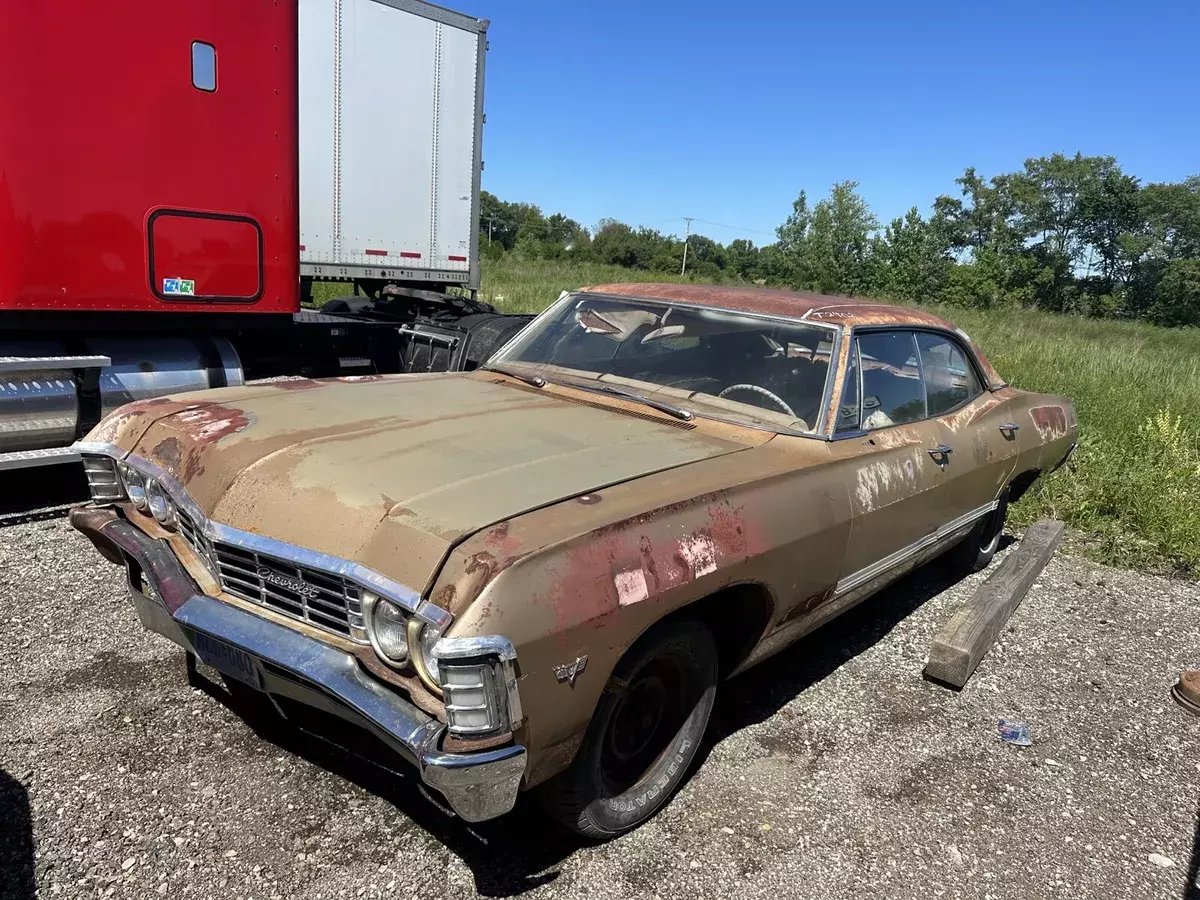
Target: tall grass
[
  {"x": 1135, "y": 483},
  {"x": 1134, "y": 488}
]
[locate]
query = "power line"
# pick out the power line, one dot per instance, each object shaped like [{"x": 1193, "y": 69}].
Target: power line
[{"x": 735, "y": 227}]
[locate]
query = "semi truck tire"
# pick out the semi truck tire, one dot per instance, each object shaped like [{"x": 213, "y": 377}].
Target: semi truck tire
[{"x": 350, "y": 305}]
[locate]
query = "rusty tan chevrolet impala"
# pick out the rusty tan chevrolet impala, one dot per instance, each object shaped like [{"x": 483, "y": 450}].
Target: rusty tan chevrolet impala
[{"x": 535, "y": 574}]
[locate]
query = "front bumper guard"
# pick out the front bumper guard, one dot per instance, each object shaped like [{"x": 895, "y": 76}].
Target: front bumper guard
[{"x": 477, "y": 786}]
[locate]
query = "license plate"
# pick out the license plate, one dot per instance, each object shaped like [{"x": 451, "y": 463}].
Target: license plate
[{"x": 229, "y": 660}]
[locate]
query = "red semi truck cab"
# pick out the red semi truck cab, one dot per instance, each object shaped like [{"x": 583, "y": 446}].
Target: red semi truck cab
[
  {"x": 151, "y": 195},
  {"x": 148, "y": 156}
]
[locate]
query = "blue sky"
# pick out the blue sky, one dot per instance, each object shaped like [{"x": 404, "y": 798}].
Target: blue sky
[{"x": 648, "y": 111}]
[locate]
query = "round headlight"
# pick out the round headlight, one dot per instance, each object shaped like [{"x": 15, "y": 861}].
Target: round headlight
[
  {"x": 134, "y": 483},
  {"x": 422, "y": 637},
  {"x": 160, "y": 504},
  {"x": 387, "y": 627}
]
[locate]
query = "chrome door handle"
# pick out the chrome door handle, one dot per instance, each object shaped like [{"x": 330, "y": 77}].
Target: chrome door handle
[
  {"x": 1010, "y": 427},
  {"x": 943, "y": 452}
]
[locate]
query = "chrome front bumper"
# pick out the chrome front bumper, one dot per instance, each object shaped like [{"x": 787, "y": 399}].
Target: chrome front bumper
[{"x": 477, "y": 786}]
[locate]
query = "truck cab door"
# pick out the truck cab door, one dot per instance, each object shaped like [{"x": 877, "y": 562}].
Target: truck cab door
[{"x": 150, "y": 155}]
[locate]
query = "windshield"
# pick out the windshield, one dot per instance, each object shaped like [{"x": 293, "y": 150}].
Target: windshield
[{"x": 760, "y": 372}]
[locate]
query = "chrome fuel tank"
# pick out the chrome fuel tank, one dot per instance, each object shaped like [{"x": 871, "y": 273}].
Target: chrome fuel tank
[{"x": 41, "y": 406}]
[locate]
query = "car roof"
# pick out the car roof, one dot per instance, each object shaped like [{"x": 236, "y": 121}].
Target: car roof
[
  {"x": 814, "y": 307},
  {"x": 830, "y": 309}
]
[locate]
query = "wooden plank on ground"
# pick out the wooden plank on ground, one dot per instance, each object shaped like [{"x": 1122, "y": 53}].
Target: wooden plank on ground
[{"x": 964, "y": 640}]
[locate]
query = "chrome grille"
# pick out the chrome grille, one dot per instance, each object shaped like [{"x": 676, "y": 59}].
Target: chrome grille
[
  {"x": 319, "y": 598},
  {"x": 195, "y": 537},
  {"x": 102, "y": 478}
]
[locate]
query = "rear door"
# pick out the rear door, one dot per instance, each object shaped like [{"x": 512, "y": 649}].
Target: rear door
[{"x": 972, "y": 425}]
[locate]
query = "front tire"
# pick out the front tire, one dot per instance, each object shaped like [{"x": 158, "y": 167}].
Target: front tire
[{"x": 644, "y": 734}]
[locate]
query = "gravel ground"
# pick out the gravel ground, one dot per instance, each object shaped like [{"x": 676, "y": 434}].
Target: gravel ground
[{"x": 835, "y": 770}]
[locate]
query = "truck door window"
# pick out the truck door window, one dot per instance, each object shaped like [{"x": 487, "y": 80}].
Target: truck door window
[{"x": 204, "y": 66}]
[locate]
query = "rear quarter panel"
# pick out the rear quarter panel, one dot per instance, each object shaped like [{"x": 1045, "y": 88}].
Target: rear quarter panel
[{"x": 1049, "y": 428}]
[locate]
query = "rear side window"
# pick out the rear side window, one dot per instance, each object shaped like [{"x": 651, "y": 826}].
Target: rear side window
[
  {"x": 950, "y": 379},
  {"x": 892, "y": 393}
]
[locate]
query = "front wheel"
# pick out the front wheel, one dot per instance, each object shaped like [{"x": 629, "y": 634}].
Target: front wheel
[{"x": 644, "y": 734}]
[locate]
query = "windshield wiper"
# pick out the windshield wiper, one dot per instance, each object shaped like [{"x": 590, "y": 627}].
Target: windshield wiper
[
  {"x": 536, "y": 380},
  {"x": 669, "y": 408}
]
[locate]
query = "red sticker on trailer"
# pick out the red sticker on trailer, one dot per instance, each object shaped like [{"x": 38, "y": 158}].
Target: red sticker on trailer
[
  {"x": 408, "y": 254},
  {"x": 458, "y": 259},
  {"x": 376, "y": 252}
]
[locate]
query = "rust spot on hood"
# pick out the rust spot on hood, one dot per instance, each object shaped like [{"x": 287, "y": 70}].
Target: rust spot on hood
[
  {"x": 297, "y": 384},
  {"x": 168, "y": 453},
  {"x": 111, "y": 426},
  {"x": 210, "y": 422}
]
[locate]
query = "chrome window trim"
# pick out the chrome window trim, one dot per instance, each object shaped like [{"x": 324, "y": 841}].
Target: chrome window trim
[
  {"x": 892, "y": 560},
  {"x": 857, "y": 360},
  {"x": 953, "y": 337},
  {"x": 818, "y": 431},
  {"x": 402, "y": 595}
]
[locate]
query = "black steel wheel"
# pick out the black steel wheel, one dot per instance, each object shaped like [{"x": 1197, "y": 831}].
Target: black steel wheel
[{"x": 644, "y": 734}]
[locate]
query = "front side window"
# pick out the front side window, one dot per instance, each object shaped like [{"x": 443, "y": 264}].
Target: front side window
[
  {"x": 892, "y": 393},
  {"x": 950, "y": 379},
  {"x": 761, "y": 372}
]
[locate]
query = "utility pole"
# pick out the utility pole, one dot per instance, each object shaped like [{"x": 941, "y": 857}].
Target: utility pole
[{"x": 687, "y": 231}]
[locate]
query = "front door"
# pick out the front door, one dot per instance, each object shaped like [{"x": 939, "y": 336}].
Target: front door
[{"x": 885, "y": 439}]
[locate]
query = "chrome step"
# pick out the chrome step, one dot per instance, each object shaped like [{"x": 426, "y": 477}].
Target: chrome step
[
  {"x": 10, "y": 365},
  {"x": 24, "y": 459},
  {"x": 354, "y": 362}
]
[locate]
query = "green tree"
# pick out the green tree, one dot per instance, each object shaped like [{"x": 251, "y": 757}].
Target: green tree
[
  {"x": 1177, "y": 294},
  {"x": 742, "y": 259},
  {"x": 828, "y": 249},
  {"x": 913, "y": 260}
]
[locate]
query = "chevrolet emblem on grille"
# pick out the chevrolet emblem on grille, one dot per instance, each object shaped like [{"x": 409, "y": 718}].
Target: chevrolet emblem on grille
[{"x": 295, "y": 585}]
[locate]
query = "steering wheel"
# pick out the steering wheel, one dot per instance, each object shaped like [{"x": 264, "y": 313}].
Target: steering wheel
[{"x": 754, "y": 388}]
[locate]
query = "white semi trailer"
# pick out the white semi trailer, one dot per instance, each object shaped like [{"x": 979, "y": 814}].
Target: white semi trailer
[{"x": 391, "y": 131}]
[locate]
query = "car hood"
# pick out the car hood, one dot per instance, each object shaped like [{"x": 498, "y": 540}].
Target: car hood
[{"x": 392, "y": 471}]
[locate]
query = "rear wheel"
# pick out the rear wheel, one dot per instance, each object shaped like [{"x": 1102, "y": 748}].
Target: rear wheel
[
  {"x": 644, "y": 734},
  {"x": 976, "y": 550}
]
